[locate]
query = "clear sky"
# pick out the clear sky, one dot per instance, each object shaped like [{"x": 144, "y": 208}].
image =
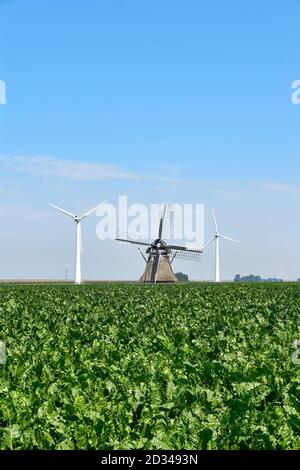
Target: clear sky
[{"x": 163, "y": 101}]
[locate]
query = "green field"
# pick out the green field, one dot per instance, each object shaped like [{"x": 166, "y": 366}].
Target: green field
[{"x": 120, "y": 366}]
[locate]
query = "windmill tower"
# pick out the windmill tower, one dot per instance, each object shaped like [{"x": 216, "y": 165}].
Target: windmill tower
[{"x": 158, "y": 253}]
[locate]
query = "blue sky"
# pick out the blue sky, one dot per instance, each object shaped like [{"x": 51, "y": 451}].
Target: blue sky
[{"x": 176, "y": 101}]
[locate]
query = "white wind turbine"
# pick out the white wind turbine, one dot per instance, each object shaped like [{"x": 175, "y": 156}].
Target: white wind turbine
[
  {"x": 78, "y": 220},
  {"x": 216, "y": 237}
]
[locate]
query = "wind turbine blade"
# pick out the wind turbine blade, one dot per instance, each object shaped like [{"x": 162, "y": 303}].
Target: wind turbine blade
[
  {"x": 62, "y": 210},
  {"x": 208, "y": 243},
  {"x": 230, "y": 239},
  {"x": 215, "y": 222},
  {"x": 91, "y": 210}
]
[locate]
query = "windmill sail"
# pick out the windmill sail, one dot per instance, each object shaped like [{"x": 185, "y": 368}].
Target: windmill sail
[
  {"x": 187, "y": 255},
  {"x": 168, "y": 223}
]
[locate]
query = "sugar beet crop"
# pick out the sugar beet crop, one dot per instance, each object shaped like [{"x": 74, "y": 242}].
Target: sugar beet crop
[{"x": 128, "y": 366}]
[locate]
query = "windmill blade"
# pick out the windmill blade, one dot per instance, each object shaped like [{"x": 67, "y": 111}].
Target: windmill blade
[
  {"x": 186, "y": 255},
  {"x": 131, "y": 237},
  {"x": 184, "y": 248},
  {"x": 62, "y": 210},
  {"x": 162, "y": 217},
  {"x": 168, "y": 223},
  {"x": 124, "y": 240},
  {"x": 91, "y": 210},
  {"x": 230, "y": 239},
  {"x": 215, "y": 222},
  {"x": 183, "y": 252},
  {"x": 208, "y": 243}
]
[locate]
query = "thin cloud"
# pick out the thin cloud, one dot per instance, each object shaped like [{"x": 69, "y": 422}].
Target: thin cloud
[
  {"x": 74, "y": 169},
  {"x": 70, "y": 169},
  {"x": 278, "y": 187}
]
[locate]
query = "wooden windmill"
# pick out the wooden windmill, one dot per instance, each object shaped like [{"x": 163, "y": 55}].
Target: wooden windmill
[{"x": 159, "y": 255}]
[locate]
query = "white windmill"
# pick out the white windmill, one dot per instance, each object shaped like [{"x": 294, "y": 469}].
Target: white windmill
[
  {"x": 215, "y": 238},
  {"x": 78, "y": 220}
]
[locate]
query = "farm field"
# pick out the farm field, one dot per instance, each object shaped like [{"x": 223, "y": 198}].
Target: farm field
[{"x": 129, "y": 366}]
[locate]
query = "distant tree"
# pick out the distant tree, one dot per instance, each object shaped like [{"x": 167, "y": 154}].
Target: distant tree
[
  {"x": 253, "y": 278},
  {"x": 181, "y": 277},
  {"x": 298, "y": 280}
]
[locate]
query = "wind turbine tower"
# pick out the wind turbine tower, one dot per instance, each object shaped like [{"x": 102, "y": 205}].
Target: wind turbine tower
[
  {"x": 77, "y": 220},
  {"x": 216, "y": 238}
]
